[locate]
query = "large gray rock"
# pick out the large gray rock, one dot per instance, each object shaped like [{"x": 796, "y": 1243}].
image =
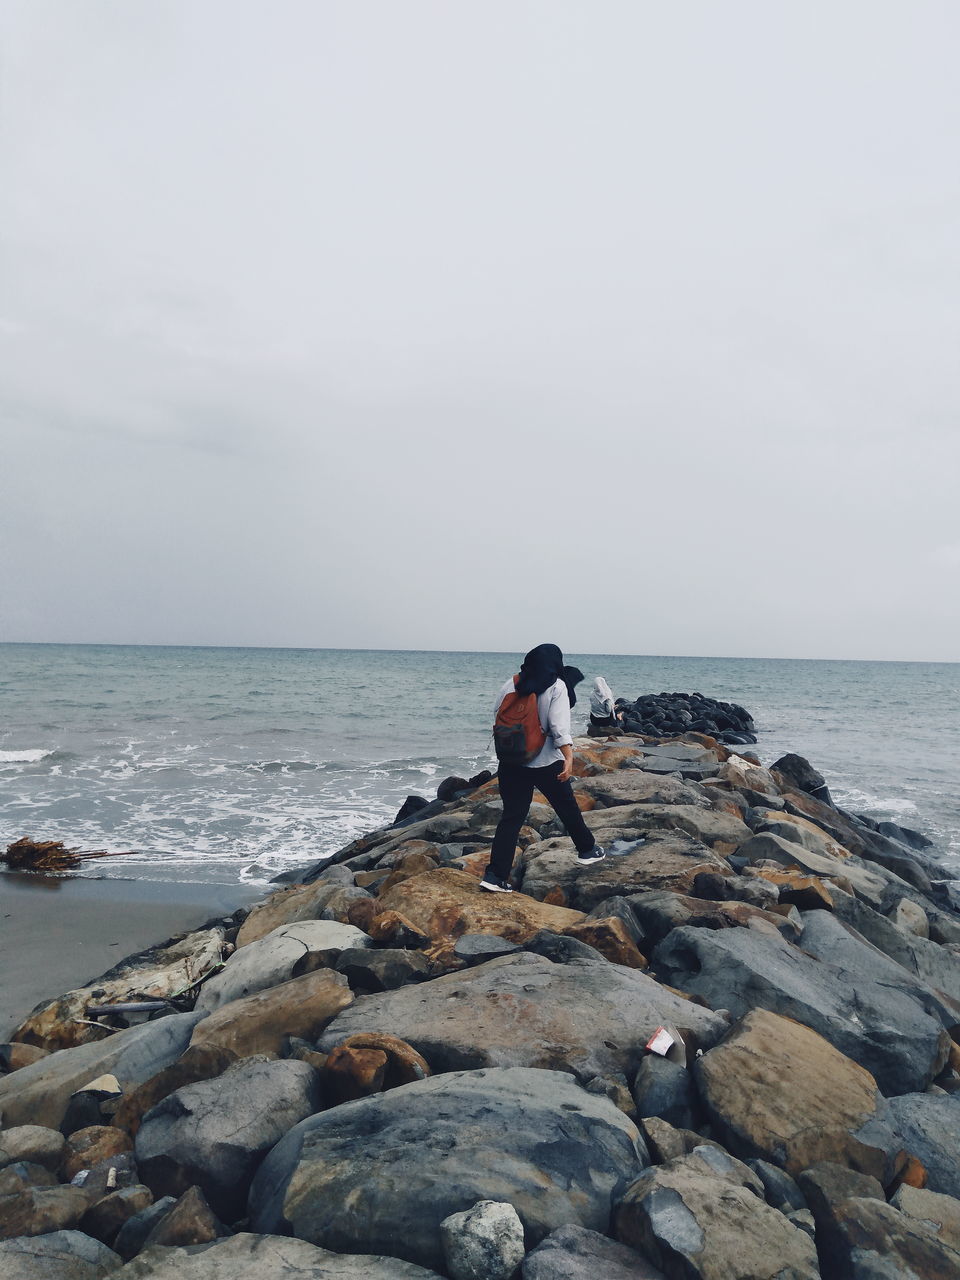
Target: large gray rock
[
  {"x": 588, "y": 1017},
  {"x": 633, "y": 786},
  {"x": 483, "y": 1243},
  {"x": 39, "y": 1093},
  {"x": 931, "y": 1206},
  {"x": 935, "y": 964},
  {"x": 871, "y": 1240},
  {"x": 61, "y": 1255},
  {"x": 929, "y": 1128},
  {"x": 403, "y": 1161},
  {"x": 692, "y": 1219},
  {"x": 885, "y": 1030},
  {"x": 665, "y": 860},
  {"x": 37, "y": 1211},
  {"x": 251, "y": 1257},
  {"x": 287, "y": 952},
  {"x": 576, "y": 1253},
  {"x": 33, "y": 1143},
  {"x": 213, "y": 1134},
  {"x": 829, "y": 939},
  {"x": 868, "y": 883}
]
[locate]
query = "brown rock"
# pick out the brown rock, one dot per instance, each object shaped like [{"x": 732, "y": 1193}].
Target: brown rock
[
  {"x": 370, "y": 879},
  {"x": 352, "y": 1073},
  {"x": 38, "y": 1211},
  {"x": 15, "y": 1056},
  {"x": 105, "y": 1218},
  {"x": 447, "y": 903},
  {"x": 257, "y": 1024},
  {"x": 806, "y": 893},
  {"x": 609, "y": 936},
  {"x": 666, "y": 1142},
  {"x": 396, "y": 930},
  {"x": 391, "y": 860},
  {"x": 403, "y": 1065},
  {"x": 931, "y": 1207},
  {"x": 190, "y": 1221},
  {"x": 87, "y": 1147},
  {"x": 913, "y": 1174},
  {"x": 296, "y": 902},
  {"x": 776, "y": 1090},
  {"x": 362, "y": 912},
  {"x": 475, "y": 864},
  {"x": 595, "y": 758}
]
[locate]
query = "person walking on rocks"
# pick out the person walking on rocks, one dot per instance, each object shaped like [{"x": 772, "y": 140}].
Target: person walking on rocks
[{"x": 535, "y": 749}]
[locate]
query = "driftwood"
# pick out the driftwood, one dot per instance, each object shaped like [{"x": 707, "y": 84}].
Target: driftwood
[{"x": 50, "y": 855}]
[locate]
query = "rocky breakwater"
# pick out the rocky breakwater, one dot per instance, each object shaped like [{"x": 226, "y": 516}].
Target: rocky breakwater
[{"x": 382, "y": 1071}]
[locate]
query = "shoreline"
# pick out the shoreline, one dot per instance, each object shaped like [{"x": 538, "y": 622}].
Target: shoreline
[{"x": 60, "y": 932}]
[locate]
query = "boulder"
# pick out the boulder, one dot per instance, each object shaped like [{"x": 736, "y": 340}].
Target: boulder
[
  {"x": 935, "y": 964},
  {"x": 587, "y": 1017},
  {"x": 251, "y": 1257},
  {"x": 775, "y": 1090},
  {"x": 886, "y": 1031},
  {"x": 288, "y": 952},
  {"x": 87, "y": 1147},
  {"x": 931, "y": 1207},
  {"x": 286, "y": 906},
  {"x": 258, "y": 1024},
  {"x": 213, "y": 1134},
  {"x": 447, "y": 903},
  {"x": 23, "y": 1174},
  {"x": 797, "y": 771},
  {"x": 483, "y": 1243},
  {"x": 405, "y": 1160},
  {"x": 372, "y": 969},
  {"x": 871, "y": 1240},
  {"x": 868, "y": 885},
  {"x": 632, "y": 786},
  {"x": 104, "y": 1219},
  {"x": 714, "y": 828},
  {"x": 664, "y": 1142},
  {"x": 779, "y": 1189},
  {"x": 129, "y": 1239},
  {"x": 659, "y": 912},
  {"x": 36, "y": 1211},
  {"x": 609, "y": 936},
  {"x": 665, "y": 1089},
  {"x": 828, "y": 938},
  {"x": 155, "y": 974},
  {"x": 475, "y": 948},
  {"x": 692, "y": 1220},
  {"x": 41, "y": 1092},
  {"x": 195, "y": 1064},
  {"x": 189, "y": 1221},
  {"x": 577, "y": 1253},
  {"x": 33, "y": 1143},
  {"x": 60, "y": 1255},
  {"x": 92, "y": 1105},
  {"x": 15, "y": 1056},
  {"x": 665, "y": 860},
  {"x": 911, "y": 918},
  {"x": 929, "y": 1128}
]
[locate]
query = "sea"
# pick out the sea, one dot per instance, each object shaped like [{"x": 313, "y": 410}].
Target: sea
[{"x": 232, "y": 765}]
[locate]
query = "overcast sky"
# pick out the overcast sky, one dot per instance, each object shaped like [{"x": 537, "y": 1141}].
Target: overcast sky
[{"x": 457, "y": 325}]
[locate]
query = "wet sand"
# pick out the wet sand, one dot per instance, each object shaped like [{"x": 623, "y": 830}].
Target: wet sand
[{"x": 59, "y": 932}]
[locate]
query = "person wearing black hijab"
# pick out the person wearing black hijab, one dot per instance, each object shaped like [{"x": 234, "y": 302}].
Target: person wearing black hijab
[{"x": 543, "y": 673}]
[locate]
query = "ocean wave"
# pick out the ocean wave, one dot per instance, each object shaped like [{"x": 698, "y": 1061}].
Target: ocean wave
[{"x": 29, "y": 755}]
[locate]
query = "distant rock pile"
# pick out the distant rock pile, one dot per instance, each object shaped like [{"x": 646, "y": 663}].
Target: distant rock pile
[
  {"x": 381, "y": 1072},
  {"x": 662, "y": 715}
]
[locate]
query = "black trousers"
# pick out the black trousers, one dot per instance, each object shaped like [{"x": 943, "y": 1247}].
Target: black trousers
[{"x": 517, "y": 785}]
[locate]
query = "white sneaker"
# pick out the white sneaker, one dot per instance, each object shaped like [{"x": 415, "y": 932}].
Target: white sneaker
[{"x": 596, "y": 854}]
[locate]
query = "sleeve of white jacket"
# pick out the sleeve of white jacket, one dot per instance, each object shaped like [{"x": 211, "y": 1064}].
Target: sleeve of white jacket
[{"x": 558, "y": 717}]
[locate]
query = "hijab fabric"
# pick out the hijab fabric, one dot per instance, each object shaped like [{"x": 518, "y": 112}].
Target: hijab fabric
[
  {"x": 542, "y": 667},
  {"x": 601, "y": 699}
]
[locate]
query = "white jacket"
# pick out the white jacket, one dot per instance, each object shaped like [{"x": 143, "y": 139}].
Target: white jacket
[{"x": 553, "y": 706}]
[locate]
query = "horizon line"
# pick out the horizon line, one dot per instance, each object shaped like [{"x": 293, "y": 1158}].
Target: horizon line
[{"x": 292, "y": 648}]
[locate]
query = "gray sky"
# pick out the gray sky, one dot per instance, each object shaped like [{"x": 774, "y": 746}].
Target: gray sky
[{"x": 446, "y": 324}]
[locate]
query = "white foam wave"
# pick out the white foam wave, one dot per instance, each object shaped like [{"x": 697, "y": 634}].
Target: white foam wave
[{"x": 28, "y": 756}]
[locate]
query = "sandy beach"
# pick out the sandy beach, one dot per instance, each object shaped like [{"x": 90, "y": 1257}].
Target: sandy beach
[{"x": 58, "y": 932}]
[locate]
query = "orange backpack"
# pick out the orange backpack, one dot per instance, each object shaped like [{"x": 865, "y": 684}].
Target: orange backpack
[{"x": 518, "y": 736}]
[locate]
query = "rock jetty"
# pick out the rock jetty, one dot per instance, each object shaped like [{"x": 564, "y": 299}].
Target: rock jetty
[{"x": 730, "y": 1051}]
